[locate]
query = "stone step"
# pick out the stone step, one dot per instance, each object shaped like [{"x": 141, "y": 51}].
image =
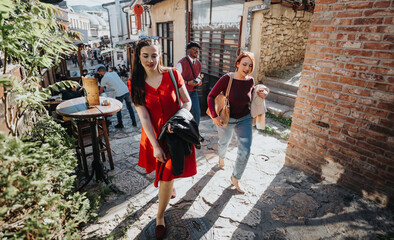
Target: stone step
[
  {"x": 279, "y": 83},
  {"x": 281, "y": 96},
  {"x": 279, "y": 110}
]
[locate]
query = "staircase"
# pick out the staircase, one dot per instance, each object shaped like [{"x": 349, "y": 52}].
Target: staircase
[{"x": 282, "y": 96}]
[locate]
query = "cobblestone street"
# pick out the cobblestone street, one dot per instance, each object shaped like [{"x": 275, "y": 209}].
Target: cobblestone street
[{"x": 280, "y": 202}]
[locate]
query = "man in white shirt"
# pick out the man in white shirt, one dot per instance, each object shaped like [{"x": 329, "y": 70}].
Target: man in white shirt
[{"x": 112, "y": 80}]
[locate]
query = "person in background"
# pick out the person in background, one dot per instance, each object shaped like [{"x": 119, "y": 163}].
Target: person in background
[
  {"x": 240, "y": 97},
  {"x": 190, "y": 68},
  {"x": 154, "y": 96},
  {"x": 84, "y": 72},
  {"x": 112, "y": 80}
]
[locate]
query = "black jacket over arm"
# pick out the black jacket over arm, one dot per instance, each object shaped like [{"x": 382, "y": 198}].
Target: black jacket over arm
[{"x": 180, "y": 142}]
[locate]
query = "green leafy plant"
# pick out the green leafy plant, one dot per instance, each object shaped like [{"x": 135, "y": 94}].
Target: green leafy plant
[
  {"x": 37, "y": 194},
  {"x": 281, "y": 119},
  {"x": 37, "y": 182},
  {"x": 30, "y": 39}
]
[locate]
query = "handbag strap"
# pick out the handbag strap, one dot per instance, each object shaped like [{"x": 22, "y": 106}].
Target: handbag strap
[
  {"x": 229, "y": 84},
  {"x": 175, "y": 86}
]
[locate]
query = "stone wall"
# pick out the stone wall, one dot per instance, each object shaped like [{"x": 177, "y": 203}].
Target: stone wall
[
  {"x": 283, "y": 37},
  {"x": 343, "y": 121}
]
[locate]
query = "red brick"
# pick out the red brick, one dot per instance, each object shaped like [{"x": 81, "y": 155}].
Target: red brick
[
  {"x": 324, "y": 92},
  {"x": 314, "y": 55},
  {"x": 388, "y": 38},
  {"x": 351, "y": 106},
  {"x": 357, "y": 67},
  {"x": 359, "y": 5},
  {"x": 331, "y": 86},
  {"x": 323, "y": 100},
  {"x": 296, "y": 126},
  {"x": 358, "y": 53},
  {"x": 371, "y": 77},
  {"x": 330, "y": 29},
  {"x": 335, "y": 122},
  {"x": 386, "y": 106},
  {"x": 348, "y": 44},
  {"x": 383, "y": 71},
  {"x": 369, "y": 147},
  {"x": 327, "y": 77},
  {"x": 368, "y": 21},
  {"x": 335, "y": 7},
  {"x": 342, "y": 21},
  {"x": 348, "y": 98},
  {"x": 382, "y": 130},
  {"x": 367, "y": 61},
  {"x": 357, "y": 91},
  {"x": 343, "y": 72},
  {"x": 320, "y": 8},
  {"x": 350, "y": 29},
  {"x": 382, "y": 4},
  {"x": 316, "y": 29},
  {"x": 373, "y": 134},
  {"x": 311, "y": 68},
  {"x": 386, "y": 123},
  {"x": 309, "y": 61},
  {"x": 388, "y": 63},
  {"x": 379, "y": 46},
  {"x": 367, "y": 101},
  {"x": 352, "y": 81},
  {"x": 319, "y": 22},
  {"x": 317, "y": 42},
  {"x": 389, "y": 55},
  {"x": 325, "y": 64},
  {"x": 346, "y": 14},
  {"x": 389, "y": 20},
  {"x": 376, "y": 112},
  {"x": 315, "y": 103},
  {"x": 370, "y": 37},
  {"x": 328, "y": 57},
  {"x": 379, "y": 29},
  {"x": 379, "y": 12},
  {"x": 318, "y": 35},
  {"x": 311, "y": 48}
]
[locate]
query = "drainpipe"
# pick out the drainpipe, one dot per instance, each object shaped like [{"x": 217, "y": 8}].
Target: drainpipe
[
  {"x": 249, "y": 21},
  {"x": 127, "y": 21},
  {"x": 109, "y": 21},
  {"x": 187, "y": 22}
]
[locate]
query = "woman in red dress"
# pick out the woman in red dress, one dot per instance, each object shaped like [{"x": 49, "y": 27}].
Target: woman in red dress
[{"x": 154, "y": 97}]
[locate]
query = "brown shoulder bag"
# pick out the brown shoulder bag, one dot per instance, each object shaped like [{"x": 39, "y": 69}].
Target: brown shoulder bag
[{"x": 222, "y": 104}]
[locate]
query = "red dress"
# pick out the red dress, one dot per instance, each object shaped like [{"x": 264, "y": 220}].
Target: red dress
[{"x": 162, "y": 104}]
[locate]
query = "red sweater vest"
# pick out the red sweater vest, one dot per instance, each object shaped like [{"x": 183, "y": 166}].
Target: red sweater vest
[{"x": 187, "y": 72}]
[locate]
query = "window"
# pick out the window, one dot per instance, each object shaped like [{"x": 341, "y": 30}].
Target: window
[{"x": 165, "y": 31}]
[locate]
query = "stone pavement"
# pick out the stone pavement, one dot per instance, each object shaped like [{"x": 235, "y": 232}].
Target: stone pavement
[{"x": 279, "y": 203}]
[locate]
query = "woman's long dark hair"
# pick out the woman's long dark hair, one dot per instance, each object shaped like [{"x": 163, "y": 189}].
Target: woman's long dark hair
[{"x": 138, "y": 74}]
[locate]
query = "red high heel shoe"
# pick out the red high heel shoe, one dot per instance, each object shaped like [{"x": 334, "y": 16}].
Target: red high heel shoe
[{"x": 160, "y": 232}]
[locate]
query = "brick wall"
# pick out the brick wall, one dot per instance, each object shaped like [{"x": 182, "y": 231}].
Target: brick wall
[{"x": 343, "y": 121}]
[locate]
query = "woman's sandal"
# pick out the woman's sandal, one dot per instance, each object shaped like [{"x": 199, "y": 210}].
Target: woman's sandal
[
  {"x": 221, "y": 165},
  {"x": 239, "y": 190},
  {"x": 173, "y": 195}
]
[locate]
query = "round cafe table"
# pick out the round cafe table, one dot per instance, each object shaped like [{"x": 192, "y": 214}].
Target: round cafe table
[{"x": 78, "y": 108}]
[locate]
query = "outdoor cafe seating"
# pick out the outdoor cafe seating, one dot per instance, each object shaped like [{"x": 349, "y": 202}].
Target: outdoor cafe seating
[{"x": 81, "y": 131}]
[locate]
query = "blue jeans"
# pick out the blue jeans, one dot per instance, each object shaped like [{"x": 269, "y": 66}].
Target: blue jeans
[
  {"x": 243, "y": 129},
  {"x": 126, "y": 98},
  {"x": 195, "y": 110}
]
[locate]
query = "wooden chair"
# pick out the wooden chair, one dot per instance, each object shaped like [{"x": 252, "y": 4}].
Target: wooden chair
[{"x": 81, "y": 131}]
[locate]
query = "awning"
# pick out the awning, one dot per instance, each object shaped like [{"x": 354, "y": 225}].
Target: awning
[{"x": 106, "y": 51}]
